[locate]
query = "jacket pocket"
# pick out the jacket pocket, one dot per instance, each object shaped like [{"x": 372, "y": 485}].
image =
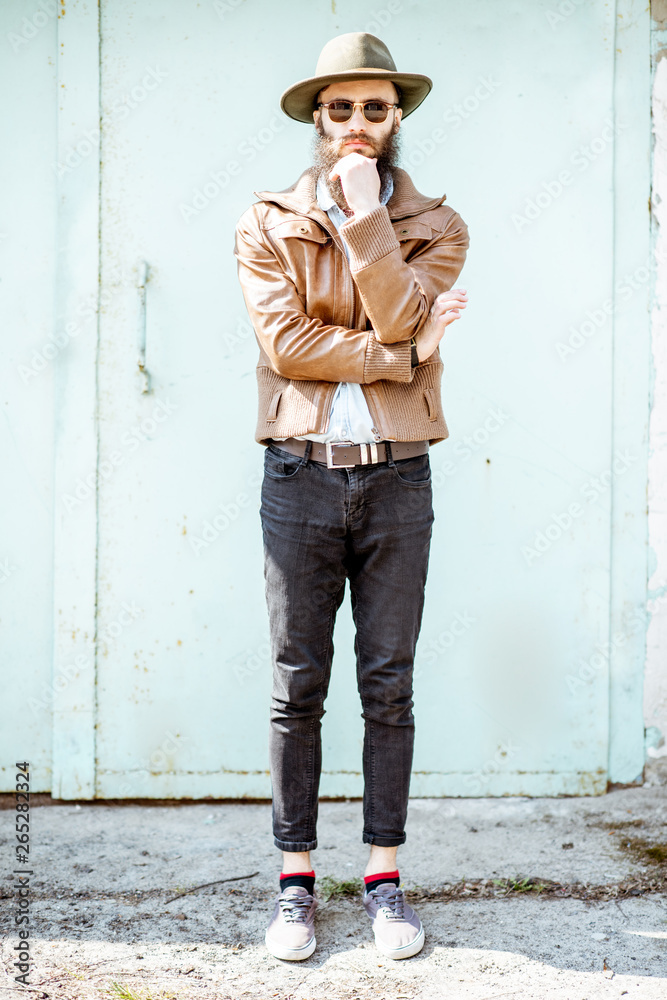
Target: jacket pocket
[
  {"x": 301, "y": 229},
  {"x": 432, "y": 403},
  {"x": 272, "y": 412},
  {"x": 412, "y": 229}
]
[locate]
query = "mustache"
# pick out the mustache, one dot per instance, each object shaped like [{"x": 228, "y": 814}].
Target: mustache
[{"x": 327, "y": 151}]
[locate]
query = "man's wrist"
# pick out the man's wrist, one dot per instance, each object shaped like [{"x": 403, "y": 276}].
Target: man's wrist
[{"x": 360, "y": 211}]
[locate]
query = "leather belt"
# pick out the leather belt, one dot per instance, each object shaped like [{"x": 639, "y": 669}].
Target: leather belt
[{"x": 346, "y": 454}]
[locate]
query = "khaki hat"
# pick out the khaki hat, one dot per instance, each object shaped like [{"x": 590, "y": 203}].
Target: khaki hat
[{"x": 354, "y": 56}]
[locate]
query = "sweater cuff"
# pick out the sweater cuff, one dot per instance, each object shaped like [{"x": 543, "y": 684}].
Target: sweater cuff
[
  {"x": 390, "y": 361},
  {"x": 369, "y": 238}
]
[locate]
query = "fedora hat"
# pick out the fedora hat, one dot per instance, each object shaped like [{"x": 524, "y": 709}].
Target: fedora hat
[{"x": 354, "y": 56}]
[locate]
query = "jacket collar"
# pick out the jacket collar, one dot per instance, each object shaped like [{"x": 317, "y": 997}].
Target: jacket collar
[{"x": 405, "y": 201}]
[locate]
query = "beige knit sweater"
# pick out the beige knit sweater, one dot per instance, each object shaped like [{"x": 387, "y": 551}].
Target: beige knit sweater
[{"x": 320, "y": 320}]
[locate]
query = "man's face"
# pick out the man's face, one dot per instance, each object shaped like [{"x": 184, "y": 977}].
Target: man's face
[
  {"x": 333, "y": 140},
  {"x": 357, "y": 135}
]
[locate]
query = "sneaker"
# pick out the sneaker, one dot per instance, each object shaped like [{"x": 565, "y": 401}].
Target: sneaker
[
  {"x": 397, "y": 928},
  {"x": 291, "y": 931}
]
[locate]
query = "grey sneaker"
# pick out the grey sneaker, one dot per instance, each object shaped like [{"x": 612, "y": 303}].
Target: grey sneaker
[
  {"x": 398, "y": 929},
  {"x": 291, "y": 931}
]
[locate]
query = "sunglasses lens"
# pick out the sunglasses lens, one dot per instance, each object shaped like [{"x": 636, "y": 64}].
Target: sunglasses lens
[
  {"x": 375, "y": 112},
  {"x": 340, "y": 111}
]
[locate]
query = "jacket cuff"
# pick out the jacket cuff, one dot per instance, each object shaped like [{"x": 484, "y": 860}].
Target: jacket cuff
[
  {"x": 390, "y": 361},
  {"x": 369, "y": 238}
]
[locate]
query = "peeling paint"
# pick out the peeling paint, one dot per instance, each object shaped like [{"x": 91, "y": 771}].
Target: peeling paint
[{"x": 659, "y": 13}]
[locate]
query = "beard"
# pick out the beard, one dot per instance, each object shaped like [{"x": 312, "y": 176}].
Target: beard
[{"x": 327, "y": 152}]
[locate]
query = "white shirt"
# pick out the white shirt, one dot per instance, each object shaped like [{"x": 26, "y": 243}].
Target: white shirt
[{"x": 349, "y": 419}]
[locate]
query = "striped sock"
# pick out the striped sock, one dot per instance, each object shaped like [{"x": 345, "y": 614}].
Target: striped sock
[
  {"x": 373, "y": 881},
  {"x": 305, "y": 879}
]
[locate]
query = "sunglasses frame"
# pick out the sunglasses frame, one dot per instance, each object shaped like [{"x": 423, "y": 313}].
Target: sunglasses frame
[{"x": 358, "y": 104}]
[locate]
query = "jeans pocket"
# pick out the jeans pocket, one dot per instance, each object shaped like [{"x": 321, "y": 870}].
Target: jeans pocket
[
  {"x": 414, "y": 471},
  {"x": 281, "y": 464}
]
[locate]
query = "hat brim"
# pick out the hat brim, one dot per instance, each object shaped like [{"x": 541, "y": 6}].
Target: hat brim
[{"x": 298, "y": 101}]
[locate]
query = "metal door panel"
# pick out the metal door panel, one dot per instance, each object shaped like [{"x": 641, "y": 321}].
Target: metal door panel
[{"x": 183, "y": 686}]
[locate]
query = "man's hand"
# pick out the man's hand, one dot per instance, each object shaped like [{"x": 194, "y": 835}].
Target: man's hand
[
  {"x": 360, "y": 181},
  {"x": 445, "y": 309}
]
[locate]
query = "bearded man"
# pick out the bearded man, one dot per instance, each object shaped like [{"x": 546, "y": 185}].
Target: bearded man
[{"x": 347, "y": 276}]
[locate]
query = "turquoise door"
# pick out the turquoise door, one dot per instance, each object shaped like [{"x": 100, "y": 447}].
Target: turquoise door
[{"x": 529, "y": 667}]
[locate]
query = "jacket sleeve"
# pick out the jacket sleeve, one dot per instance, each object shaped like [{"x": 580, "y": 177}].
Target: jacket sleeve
[
  {"x": 397, "y": 295},
  {"x": 299, "y": 346}
]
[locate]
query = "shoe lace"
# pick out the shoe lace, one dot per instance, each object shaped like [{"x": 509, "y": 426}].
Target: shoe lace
[
  {"x": 390, "y": 900},
  {"x": 295, "y": 908}
]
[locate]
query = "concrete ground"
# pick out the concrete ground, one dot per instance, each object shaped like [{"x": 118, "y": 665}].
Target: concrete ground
[{"x": 524, "y": 898}]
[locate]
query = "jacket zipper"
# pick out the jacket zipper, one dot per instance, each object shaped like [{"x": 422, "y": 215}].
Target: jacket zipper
[{"x": 371, "y": 394}]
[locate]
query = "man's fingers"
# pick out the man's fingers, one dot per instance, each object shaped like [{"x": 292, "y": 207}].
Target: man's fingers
[
  {"x": 439, "y": 309},
  {"x": 448, "y": 297},
  {"x": 446, "y": 318},
  {"x": 452, "y": 291},
  {"x": 352, "y": 161},
  {"x": 448, "y": 303}
]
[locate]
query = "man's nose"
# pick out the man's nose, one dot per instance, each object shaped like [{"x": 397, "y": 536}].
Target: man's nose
[{"x": 357, "y": 122}]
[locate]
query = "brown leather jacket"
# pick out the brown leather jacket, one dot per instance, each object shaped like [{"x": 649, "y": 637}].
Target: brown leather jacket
[{"x": 320, "y": 320}]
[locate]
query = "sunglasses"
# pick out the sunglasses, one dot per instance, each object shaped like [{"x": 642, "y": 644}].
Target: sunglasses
[{"x": 375, "y": 112}]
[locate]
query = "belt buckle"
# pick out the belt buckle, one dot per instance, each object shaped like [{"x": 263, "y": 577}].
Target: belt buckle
[{"x": 329, "y": 445}]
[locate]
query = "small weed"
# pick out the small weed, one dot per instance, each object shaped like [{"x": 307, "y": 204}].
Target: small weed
[
  {"x": 117, "y": 990},
  {"x": 643, "y": 850},
  {"x": 520, "y": 884},
  {"x": 332, "y": 888},
  {"x": 619, "y": 824},
  {"x": 76, "y": 975},
  {"x": 125, "y": 993}
]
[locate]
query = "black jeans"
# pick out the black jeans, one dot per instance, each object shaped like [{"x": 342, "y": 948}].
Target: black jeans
[{"x": 370, "y": 524}]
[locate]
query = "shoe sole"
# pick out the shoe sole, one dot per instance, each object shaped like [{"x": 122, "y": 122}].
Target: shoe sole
[
  {"x": 407, "y": 951},
  {"x": 290, "y": 954}
]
